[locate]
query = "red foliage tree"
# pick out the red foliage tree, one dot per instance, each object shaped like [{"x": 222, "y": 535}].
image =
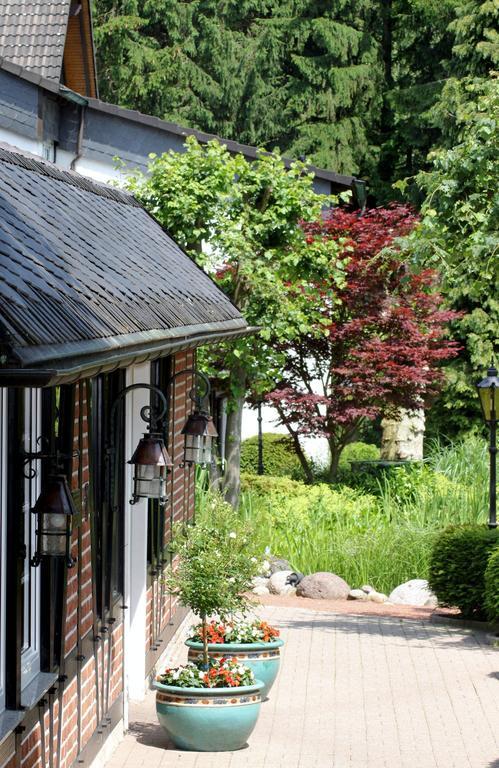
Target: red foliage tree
[{"x": 376, "y": 348}]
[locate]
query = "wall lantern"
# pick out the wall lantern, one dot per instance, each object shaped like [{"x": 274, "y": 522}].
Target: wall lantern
[
  {"x": 55, "y": 511},
  {"x": 150, "y": 459},
  {"x": 151, "y": 462},
  {"x": 199, "y": 429},
  {"x": 198, "y": 432},
  {"x": 488, "y": 392}
]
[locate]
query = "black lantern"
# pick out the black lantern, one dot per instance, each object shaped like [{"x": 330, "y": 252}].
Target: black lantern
[
  {"x": 151, "y": 461},
  {"x": 489, "y": 400},
  {"x": 55, "y": 510},
  {"x": 198, "y": 432}
]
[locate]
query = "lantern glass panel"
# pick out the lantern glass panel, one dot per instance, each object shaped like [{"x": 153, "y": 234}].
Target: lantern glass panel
[
  {"x": 53, "y": 534},
  {"x": 150, "y": 481},
  {"x": 197, "y": 449},
  {"x": 489, "y": 402}
]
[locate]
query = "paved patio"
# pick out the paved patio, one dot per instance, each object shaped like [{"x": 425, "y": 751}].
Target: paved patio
[{"x": 355, "y": 692}]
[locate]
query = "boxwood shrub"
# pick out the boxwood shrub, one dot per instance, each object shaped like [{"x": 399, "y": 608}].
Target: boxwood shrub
[
  {"x": 279, "y": 457},
  {"x": 492, "y": 587},
  {"x": 457, "y": 567}
]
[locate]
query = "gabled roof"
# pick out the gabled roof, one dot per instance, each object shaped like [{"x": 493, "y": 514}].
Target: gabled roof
[
  {"x": 33, "y": 34},
  {"x": 89, "y": 280}
]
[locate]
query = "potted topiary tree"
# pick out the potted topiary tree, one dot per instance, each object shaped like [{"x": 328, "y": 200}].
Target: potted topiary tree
[{"x": 210, "y": 704}]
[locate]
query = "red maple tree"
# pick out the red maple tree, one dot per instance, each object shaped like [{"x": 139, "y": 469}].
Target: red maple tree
[{"x": 376, "y": 349}]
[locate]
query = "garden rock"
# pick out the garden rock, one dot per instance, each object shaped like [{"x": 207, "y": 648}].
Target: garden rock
[
  {"x": 323, "y": 586},
  {"x": 413, "y": 592},
  {"x": 358, "y": 594},
  {"x": 277, "y": 564},
  {"x": 278, "y": 584},
  {"x": 376, "y": 597}
]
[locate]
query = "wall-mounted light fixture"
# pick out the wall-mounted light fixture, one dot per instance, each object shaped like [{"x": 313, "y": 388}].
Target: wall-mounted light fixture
[
  {"x": 150, "y": 459},
  {"x": 55, "y": 511}
]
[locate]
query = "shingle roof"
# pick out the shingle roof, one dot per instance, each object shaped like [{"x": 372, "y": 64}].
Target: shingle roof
[
  {"x": 85, "y": 270},
  {"x": 32, "y": 34}
]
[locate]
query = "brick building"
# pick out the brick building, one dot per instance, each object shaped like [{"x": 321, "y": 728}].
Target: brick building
[{"x": 95, "y": 297}]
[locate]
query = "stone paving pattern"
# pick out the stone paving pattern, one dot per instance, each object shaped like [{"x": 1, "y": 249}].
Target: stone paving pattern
[{"x": 355, "y": 692}]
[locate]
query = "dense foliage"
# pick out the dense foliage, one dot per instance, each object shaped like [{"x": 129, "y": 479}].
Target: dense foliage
[
  {"x": 381, "y": 537},
  {"x": 376, "y": 346},
  {"x": 457, "y": 567},
  {"x": 279, "y": 456},
  {"x": 459, "y": 235},
  {"x": 353, "y": 86},
  {"x": 221, "y": 673},
  {"x": 247, "y": 215},
  {"x": 492, "y": 587}
]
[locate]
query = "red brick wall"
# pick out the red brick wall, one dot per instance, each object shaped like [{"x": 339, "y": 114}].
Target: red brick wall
[{"x": 98, "y": 684}]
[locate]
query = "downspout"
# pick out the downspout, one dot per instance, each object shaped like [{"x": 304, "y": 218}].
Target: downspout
[{"x": 79, "y": 143}]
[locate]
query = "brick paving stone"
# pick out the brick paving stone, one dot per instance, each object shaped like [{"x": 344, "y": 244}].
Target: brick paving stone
[{"x": 354, "y": 691}]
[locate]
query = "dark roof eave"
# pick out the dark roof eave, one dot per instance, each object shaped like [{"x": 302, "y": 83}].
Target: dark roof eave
[
  {"x": 71, "y": 369},
  {"x": 338, "y": 180}
]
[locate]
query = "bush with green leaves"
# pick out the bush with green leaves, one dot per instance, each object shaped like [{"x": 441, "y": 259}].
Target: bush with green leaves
[
  {"x": 214, "y": 563},
  {"x": 279, "y": 457},
  {"x": 492, "y": 587},
  {"x": 457, "y": 567}
]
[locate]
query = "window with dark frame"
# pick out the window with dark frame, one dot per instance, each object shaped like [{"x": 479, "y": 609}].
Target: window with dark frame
[{"x": 106, "y": 500}]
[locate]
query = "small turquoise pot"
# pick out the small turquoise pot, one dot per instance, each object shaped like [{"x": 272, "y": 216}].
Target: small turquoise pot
[
  {"x": 208, "y": 719},
  {"x": 262, "y": 658}
]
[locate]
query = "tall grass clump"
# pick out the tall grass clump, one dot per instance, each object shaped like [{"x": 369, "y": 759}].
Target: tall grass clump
[{"x": 383, "y": 538}]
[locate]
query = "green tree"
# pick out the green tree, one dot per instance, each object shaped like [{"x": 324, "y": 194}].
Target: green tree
[
  {"x": 248, "y": 215},
  {"x": 459, "y": 235}
]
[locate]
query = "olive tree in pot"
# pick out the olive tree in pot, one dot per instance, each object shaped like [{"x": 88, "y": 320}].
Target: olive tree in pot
[{"x": 211, "y": 704}]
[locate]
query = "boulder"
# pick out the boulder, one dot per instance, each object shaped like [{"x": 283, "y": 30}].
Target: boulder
[
  {"x": 376, "y": 597},
  {"x": 323, "y": 586},
  {"x": 277, "y": 564},
  {"x": 278, "y": 584},
  {"x": 358, "y": 594},
  {"x": 413, "y": 592}
]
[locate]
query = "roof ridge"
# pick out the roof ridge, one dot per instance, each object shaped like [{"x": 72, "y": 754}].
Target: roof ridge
[{"x": 29, "y": 162}]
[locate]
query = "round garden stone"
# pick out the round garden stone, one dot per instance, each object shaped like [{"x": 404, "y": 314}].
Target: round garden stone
[
  {"x": 278, "y": 584},
  {"x": 323, "y": 586},
  {"x": 277, "y": 564},
  {"x": 413, "y": 592}
]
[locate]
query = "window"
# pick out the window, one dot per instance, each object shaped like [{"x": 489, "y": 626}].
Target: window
[
  {"x": 3, "y": 522},
  {"x": 107, "y": 502},
  {"x": 30, "y": 648}
]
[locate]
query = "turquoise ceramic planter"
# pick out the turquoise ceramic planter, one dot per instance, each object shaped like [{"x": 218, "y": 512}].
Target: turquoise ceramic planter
[
  {"x": 262, "y": 658},
  {"x": 208, "y": 719}
]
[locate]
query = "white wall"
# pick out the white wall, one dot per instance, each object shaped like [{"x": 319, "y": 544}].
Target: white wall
[{"x": 135, "y": 544}]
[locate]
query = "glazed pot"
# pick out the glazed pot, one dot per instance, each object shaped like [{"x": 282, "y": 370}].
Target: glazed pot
[
  {"x": 262, "y": 658},
  {"x": 208, "y": 719}
]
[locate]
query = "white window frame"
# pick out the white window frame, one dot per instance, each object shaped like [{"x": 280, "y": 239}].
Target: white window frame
[
  {"x": 3, "y": 531},
  {"x": 30, "y": 650}
]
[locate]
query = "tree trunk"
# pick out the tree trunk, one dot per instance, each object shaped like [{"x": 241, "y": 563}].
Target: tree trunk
[
  {"x": 298, "y": 449},
  {"x": 204, "y": 630},
  {"x": 335, "y": 450},
  {"x": 232, "y": 477}
]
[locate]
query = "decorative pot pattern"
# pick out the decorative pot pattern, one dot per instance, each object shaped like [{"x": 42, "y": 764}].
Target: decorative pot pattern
[
  {"x": 208, "y": 719},
  {"x": 262, "y": 658}
]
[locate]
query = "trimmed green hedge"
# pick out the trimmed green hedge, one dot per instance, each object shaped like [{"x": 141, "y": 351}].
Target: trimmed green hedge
[
  {"x": 279, "y": 457},
  {"x": 457, "y": 567},
  {"x": 492, "y": 587}
]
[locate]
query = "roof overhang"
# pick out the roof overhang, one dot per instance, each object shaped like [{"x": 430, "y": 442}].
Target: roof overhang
[{"x": 89, "y": 359}]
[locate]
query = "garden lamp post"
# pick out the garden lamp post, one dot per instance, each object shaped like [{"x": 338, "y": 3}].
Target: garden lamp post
[{"x": 488, "y": 391}]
